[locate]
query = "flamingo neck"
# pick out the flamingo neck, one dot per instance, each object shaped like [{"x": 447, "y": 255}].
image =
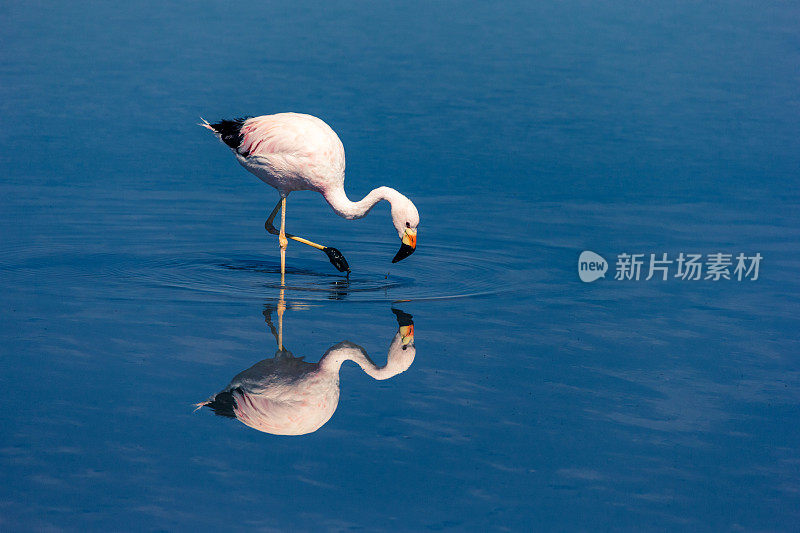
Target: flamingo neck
[
  {"x": 348, "y": 351},
  {"x": 345, "y": 208}
]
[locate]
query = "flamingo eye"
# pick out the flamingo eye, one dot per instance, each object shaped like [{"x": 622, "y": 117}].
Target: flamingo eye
[{"x": 408, "y": 224}]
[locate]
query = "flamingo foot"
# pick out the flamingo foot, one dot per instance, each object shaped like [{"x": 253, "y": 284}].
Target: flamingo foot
[{"x": 337, "y": 259}]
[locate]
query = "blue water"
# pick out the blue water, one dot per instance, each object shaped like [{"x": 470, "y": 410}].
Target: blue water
[{"x": 135, "y": 272}]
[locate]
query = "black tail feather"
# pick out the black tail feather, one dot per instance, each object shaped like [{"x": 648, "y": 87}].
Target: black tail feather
[
  {"x": 230, "y": 131},
  {"x": 224, "y": 404}
]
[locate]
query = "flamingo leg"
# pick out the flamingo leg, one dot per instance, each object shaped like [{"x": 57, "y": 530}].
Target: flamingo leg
[
  {"x": 281, "y": 308},
  {"x": 282, "y": 240},
  {"x": 268, "y": 319},
  {"x": 335, "y": 256}
]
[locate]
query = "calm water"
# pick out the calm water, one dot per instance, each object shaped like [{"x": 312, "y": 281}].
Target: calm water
[{"x": 135, "y": 272}]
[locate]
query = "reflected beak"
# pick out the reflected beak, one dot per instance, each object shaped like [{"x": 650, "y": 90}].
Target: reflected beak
[
  {"x": 408, "y": 246},
  {"x": 407, "y": 333}
]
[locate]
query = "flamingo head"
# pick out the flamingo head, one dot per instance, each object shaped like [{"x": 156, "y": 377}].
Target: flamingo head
[
  {"x": 406, "y": 219},
  {"x": 402, "y": 350}
]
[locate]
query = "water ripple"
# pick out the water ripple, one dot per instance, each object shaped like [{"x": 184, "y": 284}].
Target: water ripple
[{"x": 437, "y": 272}]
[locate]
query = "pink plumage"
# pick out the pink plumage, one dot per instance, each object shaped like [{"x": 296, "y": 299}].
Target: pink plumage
[{"x": 295, "y": 152}]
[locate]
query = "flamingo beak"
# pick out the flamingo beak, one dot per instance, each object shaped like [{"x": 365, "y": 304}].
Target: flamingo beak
[
  {"x": 407, "y": 334},
  {"x": 408, "y": 246},
  {"x": 405, "y": 323}
]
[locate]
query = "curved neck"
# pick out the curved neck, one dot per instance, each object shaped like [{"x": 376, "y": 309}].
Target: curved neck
[
  {"x": 343, "y": 207},
  {"x": 346, "y": 350}
]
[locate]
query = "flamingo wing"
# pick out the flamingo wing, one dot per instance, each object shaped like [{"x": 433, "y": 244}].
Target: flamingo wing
[
  {"x": 290, "y": 151},
  {"x": 282, "y": 133},
  {"x": 274, "y": 134}
]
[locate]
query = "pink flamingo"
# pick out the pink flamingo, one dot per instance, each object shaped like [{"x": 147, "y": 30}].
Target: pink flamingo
[
  {"x": 295, "y": 152},
  {"x": 286, "y": 395}
]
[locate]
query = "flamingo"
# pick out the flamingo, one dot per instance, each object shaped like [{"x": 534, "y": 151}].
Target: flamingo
[
  {"x": 285, "y": 395},
  {"x": 295, "y": 152}
]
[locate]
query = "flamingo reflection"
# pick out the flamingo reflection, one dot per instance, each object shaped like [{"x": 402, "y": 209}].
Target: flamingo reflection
[{"x": 285, "y": 395}]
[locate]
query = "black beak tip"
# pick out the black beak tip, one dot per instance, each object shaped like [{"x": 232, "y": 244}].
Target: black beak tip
[
  {"x": 403, "y": 319},
  {"x": 404, "y": 251}
]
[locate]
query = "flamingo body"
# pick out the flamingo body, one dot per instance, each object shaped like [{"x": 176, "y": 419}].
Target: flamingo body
[
  {"x": 283, "y": 395},
  {"x": 291, "y": 152},
  {"x": 286, "y": 395},
  {"x": 296, "y": 152}
]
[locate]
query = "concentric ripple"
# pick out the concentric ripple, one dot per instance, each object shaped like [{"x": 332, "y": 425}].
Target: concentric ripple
[
  {"x": 435, "y": 272},
  {"x": 438, "y": 272}
]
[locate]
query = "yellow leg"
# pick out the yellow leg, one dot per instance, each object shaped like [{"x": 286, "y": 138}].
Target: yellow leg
[
  {"x": 335, "y": 256},
  {"x": 277, "y": 333},
  {"x": 281, "y": 309},
  {"x": 282, "y": 240},
  {"x": 268, "y": 225}
]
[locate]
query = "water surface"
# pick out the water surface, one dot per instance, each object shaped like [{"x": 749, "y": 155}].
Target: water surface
[{"x": 135, "y": 269}]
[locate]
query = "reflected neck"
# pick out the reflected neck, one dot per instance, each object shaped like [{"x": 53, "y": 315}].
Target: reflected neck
[{"x": 344, "y": 351}]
